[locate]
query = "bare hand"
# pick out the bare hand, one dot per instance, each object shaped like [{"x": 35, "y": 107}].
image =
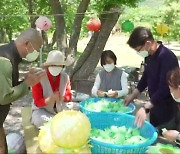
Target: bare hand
[
  {"x": 33, "y": 77},
  {"x": 131, "y": 97},
  {"x": 148, "y": 105},
  {"x": 56, "y": 97},
  {"x": 53, "y": 98},
  {"x": 101, "y": 93},
  {"x": 61, "y": 99},
  {"x": 140, "y": 117},
  {"x": 112, "y": 94},
  {"x": 171, "y": 135},
  {"x": 128, "y": 99}
]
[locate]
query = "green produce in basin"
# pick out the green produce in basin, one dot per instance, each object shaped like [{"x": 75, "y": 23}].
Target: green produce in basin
[
  {"x": 106, "y": 105},
  {"x": 162, "y": 149},
  {"x": 118, "y": 135}
]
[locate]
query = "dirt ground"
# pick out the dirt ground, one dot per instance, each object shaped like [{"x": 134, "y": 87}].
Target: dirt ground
[{"x": 13, "y": 121}]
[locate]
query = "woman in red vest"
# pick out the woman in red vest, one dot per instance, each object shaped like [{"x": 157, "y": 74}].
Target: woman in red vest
[{"x": 51, "y": 93}]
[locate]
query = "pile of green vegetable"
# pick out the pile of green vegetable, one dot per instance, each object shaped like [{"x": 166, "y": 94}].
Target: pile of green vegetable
[
  {"x": 107, "y": 106},
  {"x": 118, "y": 135},
  {"x": 163, "y": 149}
]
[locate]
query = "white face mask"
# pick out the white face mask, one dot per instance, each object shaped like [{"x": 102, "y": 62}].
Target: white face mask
[
  {"x": 109, "y": 67},
  {"x": 55, "y": 71},
  {"x": 176, "y": 99},
  {"x": 30, "y": 57},
  {"x": 143, "y": 54}
]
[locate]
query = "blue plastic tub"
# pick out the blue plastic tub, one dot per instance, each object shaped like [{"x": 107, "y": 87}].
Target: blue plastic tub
[
  {"x": 95, "y": 100},
  {"x": 102, "y": 121}
]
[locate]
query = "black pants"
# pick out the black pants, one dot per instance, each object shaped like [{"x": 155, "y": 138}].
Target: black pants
[
  {"x": 4, "y": 110},
  {"x": 177, "y": 120},
  {"x": 163, "y": 112}
]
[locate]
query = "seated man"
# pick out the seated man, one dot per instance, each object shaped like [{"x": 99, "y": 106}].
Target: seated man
[
  {"x": 111, "y": 81},
  {"x": 51, "y": 93}
]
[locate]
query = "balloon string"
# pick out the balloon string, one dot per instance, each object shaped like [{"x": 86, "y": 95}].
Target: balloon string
[{"x": 48, "y": 15}]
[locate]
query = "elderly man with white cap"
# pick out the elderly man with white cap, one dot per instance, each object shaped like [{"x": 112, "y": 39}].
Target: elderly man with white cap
[{"x": 51, "y": 93}]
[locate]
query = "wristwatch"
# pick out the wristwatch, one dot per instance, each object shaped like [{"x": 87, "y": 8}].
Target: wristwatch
[{"x": 146, "y": 110}]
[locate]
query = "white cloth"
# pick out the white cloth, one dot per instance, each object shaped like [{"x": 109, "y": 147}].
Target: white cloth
[
  {"x": 40, "y": 116},
  {"x": 77, "y": 97},
  {"x": 121, "y": 93}
]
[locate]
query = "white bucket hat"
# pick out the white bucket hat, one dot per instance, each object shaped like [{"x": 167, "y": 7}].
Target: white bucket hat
[{"x": 56, "y": 57}]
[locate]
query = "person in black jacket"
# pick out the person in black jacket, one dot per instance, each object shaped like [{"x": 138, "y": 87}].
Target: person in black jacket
[
  {"x": 159, "y": 60},
  {"x": 174, "y": 86}
]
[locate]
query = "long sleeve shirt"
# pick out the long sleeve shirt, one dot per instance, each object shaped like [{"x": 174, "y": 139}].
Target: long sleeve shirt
[
  {"x": 154, "y": 77},
  {"x": 10, "y": 87},
  {"x": 37, "y": 91},
  {"x": 121, "y": 93}
]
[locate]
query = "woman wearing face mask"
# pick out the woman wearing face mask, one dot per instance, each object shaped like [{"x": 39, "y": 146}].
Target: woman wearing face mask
[
  {"x": 174, "y": 86},
  {"x": 52, "y": 91},
  {"x": 111, "y": 81}
]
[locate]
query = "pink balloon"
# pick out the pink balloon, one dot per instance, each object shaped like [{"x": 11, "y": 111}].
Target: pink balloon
[{"x": 43, "y": 23}]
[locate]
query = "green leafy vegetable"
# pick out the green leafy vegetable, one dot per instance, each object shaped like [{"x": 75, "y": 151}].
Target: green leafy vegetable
[
  {"x": 107, "y": 106},
  {"x": 163, "y": 149},
  {"x": 118, "y": 135}
]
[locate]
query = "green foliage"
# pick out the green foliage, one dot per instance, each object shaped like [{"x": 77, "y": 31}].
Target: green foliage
[
  {"x": 140, "y": 16},
  {"x": 15, "y": 24},
  {"x": 12, "y": 24},
  {"x": 100, "y": 5},
  {"x": 42, "y": 7},
  {"x": 163, "y": 12},
  {"x": 171, "y": 16}
]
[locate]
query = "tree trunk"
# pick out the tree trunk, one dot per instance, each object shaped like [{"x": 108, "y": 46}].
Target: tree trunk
[
  {"x": 45, "y": 38},
  {"x": 53, "y": 40},
  {"x": 85, "y": 54},
  {"x": 60, "y": 25},
  {"x": 95, "y": 48},
  {"x": 30, "y": 9},
  {"x": 8, "y": 30},
  {"x": 77, "y": 26},
  {"x": 3, "y": 38}
]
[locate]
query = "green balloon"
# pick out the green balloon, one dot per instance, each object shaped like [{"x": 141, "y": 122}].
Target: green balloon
[{"x": 127, "y": 26}]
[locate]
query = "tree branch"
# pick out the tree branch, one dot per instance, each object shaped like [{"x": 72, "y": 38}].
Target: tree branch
[
  {"x": 77, "y": 26},
  {"x": 30, "y": 9},
  {"x": 87, "y": 51},
  {"x": 53, "y": 40},
  {"x": 60, "y": 25},
  {"x": 91, "y": 62}
]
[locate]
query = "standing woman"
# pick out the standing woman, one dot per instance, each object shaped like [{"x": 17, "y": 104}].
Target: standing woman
[
  {"x": 111, "y": 81},
  {"x": 174, "y": 86}
]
